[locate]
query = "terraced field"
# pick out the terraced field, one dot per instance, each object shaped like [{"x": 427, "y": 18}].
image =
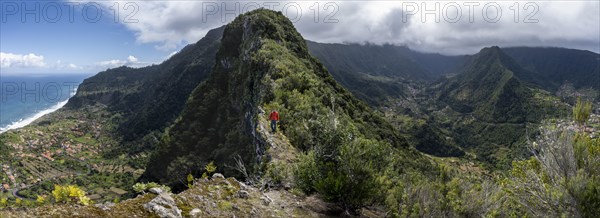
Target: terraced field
[{"x": 41, "y": 169}]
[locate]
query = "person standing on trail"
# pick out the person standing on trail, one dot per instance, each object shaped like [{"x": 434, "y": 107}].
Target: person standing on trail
[{"x": 274, "y": 117}]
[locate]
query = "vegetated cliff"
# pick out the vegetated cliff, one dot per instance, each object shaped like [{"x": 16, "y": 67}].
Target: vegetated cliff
[{"x": 262, "y": 64}]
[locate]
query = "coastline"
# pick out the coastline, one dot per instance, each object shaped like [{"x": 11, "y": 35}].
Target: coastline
[{"x": 28, "y": 120}]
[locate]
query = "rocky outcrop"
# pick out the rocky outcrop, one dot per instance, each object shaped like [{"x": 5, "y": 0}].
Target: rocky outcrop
[{"x": 163, "y": 206}]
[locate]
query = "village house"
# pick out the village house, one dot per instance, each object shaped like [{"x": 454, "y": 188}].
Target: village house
[{"x": 5, "y": 187}]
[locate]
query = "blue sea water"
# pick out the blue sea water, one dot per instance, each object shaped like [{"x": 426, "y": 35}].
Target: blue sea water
[{"x": 23, "y": 99}]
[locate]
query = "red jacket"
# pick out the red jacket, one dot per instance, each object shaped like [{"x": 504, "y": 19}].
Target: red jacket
[{"x": 274, "y": 116}]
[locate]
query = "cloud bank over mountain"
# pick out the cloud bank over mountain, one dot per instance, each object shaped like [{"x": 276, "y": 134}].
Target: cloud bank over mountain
[{"x": 446, "y": 27}]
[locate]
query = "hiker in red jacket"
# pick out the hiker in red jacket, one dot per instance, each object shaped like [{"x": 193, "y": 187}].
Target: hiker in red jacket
[{"x": 274, "y": 117}]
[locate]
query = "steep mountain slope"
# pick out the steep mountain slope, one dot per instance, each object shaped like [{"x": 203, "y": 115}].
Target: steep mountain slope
[
  {"x": 375, "y": 60},
  {"x": 375, "y": 73},
  {"x": 489, "y": 87},
  {"x": 371, "y": 72},
  {"x": 558, "y": 65},
  {"x": 149, "y": 98},
  {"x": 262, "y": 64}
]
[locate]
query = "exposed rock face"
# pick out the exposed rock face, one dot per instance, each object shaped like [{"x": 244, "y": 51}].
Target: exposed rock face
[
  {"x": 195, "y": 212},
  {"x": 243, "y": 194},
  {"x": 218, "y": 175},
  {"x": 266, "y": 200},
  {"x": 105, "y": 206},
  {"x": 163, "y": 206},
  {"x": 157, "y": 191}
]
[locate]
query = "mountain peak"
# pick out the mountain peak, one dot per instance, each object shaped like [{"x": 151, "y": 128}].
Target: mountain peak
[
  {"x": 257, "y": 25},
  {"x": 494, "y": 48},
  {"x": 493, "y": 53},
  {"x": 490, "y": 85},
  {"x": 493, "y": 60}
]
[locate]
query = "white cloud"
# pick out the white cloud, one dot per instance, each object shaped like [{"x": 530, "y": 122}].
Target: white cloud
[
  {"x": 575, "y": 24},
  {"x": 130, "y": 61},
  {"x": 171, "y": 54},
  {"x": 562, "y": 24},
  {"x": 9, "y": 60},
  {"x": 60, "y": 65},
  {"x": 112, "y": 63},
  {"x": 32, "y": 64}
]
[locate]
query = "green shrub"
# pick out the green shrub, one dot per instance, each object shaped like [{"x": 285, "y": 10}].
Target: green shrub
[
  {"x": 190, "y": 180},
  {"x": 305, "y": 172},
  {"x": 40, "y": 200},
  {"x": 332, "y": 185},
  {"x": 210, "y": 167},
  {"x": 143, "y": 187},
  {"x": 582, "y": 111},
  {"x": 70, "y": 193},
  {"x": 152, "y": 185},
  {"x": 349, "y": 177},
  {"x": 140, "y": 187},
  {"x": 29, "y": 203},
  {"x": 3, "y": 202},
  {"x": 18, "y": 202},
  {"x": 277, "y": 174}
]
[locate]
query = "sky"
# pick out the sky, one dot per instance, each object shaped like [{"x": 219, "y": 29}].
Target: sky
[{"x": 85, "y": 37}]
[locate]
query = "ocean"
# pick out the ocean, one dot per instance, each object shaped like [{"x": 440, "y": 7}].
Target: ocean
[{"x": 23, "y": 99}]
